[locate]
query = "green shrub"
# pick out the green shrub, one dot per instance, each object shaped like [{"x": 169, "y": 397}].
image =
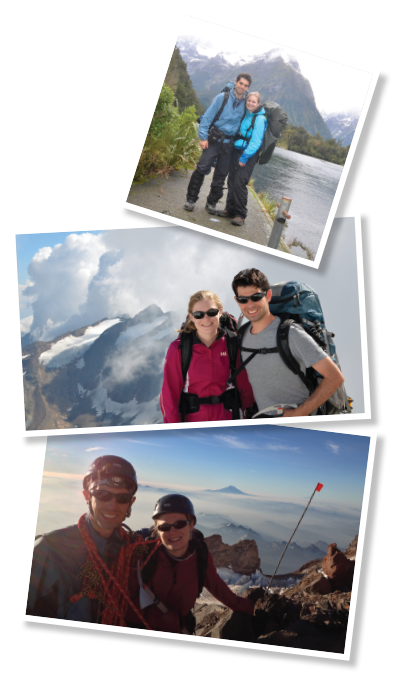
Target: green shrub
[{"x": 172, "y": 141}]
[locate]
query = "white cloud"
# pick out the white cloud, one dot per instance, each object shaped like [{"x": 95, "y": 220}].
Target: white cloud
[
  {"x": 233, "y": 442},
  {"x": 25, "y": 324},
  {"x": 90, "y": 277},
  {"x": 334, "y": 448},
  {"x": 93, "y": 449}
]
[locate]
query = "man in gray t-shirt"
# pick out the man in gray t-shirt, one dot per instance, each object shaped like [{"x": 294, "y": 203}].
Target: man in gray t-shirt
[{"x": 273, "y": 383}]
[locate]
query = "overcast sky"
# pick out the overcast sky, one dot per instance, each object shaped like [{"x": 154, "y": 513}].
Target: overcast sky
[
  {"x": 336, "y": 87},
  {"x": 82, "y": 278},
  {"x": 278, "y": 466}
]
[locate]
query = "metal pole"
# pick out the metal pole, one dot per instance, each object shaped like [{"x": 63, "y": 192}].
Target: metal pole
[
  {"x": 317, "y": 489},
  {"x": 279, "y": 223}
]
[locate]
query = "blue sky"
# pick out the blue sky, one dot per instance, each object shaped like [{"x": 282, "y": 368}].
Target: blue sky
[
  {"x": 277, "y": 462},
  {"x": 278, "y": 468},
  {"x": 29, "y": 244}
]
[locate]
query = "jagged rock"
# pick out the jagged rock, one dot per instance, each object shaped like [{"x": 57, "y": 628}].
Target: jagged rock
[
  {"x": 242, "y": 557},
  {"x": 317, "y": 641},
  {"x": 275, "y": 608},
  {"x": 234, "y": 626},
  {"x": 338, "y": 568},
  {"x": 313, "y": 583},
  {"x": 207, "y": 617},
  {"x": 254, "y": 593},
  {"x": 351, "y": 550}
]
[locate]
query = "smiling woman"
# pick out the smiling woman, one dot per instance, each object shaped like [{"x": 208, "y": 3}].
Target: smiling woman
[
  {"x": 198, "y": 365},
  {"x": 166, "y": 588}
]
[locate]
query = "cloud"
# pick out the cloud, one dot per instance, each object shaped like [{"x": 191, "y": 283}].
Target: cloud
[
  {"x": 94, "y": 449},
  {"x": 334, "y": 448},
  {"x": 68, "y": 476},
  {"x": 233, "y": 442},
  {"x": 90, "y": 277},
  {"x": 25, "y": 324}
]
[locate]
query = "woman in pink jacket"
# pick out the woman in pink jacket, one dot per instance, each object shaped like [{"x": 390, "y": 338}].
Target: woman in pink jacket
[
  {"x": 166, "y": 587},
  {"x": 201, "y": 392}
]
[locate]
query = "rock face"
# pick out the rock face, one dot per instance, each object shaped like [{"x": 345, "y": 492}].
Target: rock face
[
  {"x": 301, "y": 622},
  {"x": 242, "y": 557},
  {"x": 351, "y": 550},
  {"x": 311, "y": 615},
  {"x": 338, "y": 568}
]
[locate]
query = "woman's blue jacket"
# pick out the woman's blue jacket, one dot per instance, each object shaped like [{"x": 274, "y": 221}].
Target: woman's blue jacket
[{"x": 255, "y": 135}]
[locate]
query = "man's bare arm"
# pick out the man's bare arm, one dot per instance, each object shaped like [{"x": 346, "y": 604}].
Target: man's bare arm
[{"x": 332, "y": 379}]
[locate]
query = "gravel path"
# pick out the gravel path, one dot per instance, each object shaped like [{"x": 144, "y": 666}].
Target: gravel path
[{"x": 169, "y": 195}]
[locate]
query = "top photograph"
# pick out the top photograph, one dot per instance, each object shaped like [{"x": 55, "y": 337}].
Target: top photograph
[{"x": 250, "y": 141}]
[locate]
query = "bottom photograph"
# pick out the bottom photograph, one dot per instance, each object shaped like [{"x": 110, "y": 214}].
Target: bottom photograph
[{"x": 252, "y": 535}]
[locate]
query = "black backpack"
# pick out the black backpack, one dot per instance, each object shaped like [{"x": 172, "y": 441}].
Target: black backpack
[
  {"x": 190, "y": 403},
  {"x": 276, "y": 119}
]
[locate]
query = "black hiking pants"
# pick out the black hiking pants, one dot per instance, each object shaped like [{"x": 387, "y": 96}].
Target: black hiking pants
[
  {"x": 238, "y": 179},
  {"x": 216, "y": 150}
]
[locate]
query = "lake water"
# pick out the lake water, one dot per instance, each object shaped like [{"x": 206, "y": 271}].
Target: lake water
[{"x": 311, "y": 184}]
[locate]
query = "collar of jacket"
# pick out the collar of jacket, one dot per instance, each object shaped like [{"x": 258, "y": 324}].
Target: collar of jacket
[{"x": 196, "y": 341}]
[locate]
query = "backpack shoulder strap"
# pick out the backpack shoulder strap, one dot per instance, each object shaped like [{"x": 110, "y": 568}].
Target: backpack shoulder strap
[
  {"x": 224, "y": 103},
  {"x": 232, "y": 346},
  {"x": 289, "y": 360},
  {"x": 186, "y": 347}
]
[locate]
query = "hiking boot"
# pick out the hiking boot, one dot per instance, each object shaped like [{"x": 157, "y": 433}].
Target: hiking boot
[
  {"x": 238, "y": 221},
  {"x": 189, "y": 206},
  {"x": 210, "y": 208},
  {"x": 223, "y": 213}
]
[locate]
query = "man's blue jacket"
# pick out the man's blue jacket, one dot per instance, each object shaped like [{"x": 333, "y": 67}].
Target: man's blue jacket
[
  {"x": 230, "y": 118},
  {"x": 57, "y": 573}
]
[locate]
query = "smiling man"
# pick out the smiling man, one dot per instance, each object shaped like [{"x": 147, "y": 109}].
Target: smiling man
[
  {"x": 66, "y": 582},
  {"x": 272, "y": 381},
  {"x": 217, "y": 130}
]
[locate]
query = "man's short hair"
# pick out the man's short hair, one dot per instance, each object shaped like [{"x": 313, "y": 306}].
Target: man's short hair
[
  {"x": 245, "y": 76},
  {"x": 250, "y": 277}
]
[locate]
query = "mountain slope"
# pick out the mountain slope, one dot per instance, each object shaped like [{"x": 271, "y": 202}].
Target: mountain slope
[
  {"x": 177, "y": 79},
  {"x": 107, "y": 374},
  {"x": 342, "y": 126},
  {"x": 272, "y": 76}
]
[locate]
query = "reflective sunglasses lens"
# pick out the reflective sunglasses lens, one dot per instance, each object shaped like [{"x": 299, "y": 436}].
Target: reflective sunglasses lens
[
  {"x": 210, "y": 312},
  {"x": 242, "y": 299},
  {"x": 178, "y": 525},
  {"x": 105, "y": 496}
]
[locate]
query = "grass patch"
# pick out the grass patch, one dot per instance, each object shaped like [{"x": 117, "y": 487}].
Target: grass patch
[
  {"x": 308, "y": 251},
  {"x": 172, "y": 142},
  {"x": 269, "y": 204}
]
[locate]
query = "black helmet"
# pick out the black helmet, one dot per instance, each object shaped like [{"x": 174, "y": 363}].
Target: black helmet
[
  {"x": 112, "y": 471},
  {"x": 174, "y": 504}
]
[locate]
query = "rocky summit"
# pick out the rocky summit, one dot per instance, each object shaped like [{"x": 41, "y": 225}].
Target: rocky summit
[{"x": 311, "y": 615}]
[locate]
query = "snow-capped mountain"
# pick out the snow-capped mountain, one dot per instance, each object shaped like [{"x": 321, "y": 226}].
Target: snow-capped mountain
[
  {"x": 107, "y": 374},
  {"x": 275, "y": 74},
  {"x": 342, "y": 125}
]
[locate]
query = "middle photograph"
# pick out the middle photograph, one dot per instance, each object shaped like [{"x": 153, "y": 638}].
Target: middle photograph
[{"x": 166, "y": 326}]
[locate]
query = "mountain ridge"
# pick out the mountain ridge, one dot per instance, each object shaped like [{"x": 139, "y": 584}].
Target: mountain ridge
[{"x": 272, "y": 76}]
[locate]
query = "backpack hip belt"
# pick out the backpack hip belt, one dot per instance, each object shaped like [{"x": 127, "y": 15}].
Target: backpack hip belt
[{"x": 190, "y": 403}]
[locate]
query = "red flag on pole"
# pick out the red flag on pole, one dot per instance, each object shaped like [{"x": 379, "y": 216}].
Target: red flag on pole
[{"x": 319, "y": 487}]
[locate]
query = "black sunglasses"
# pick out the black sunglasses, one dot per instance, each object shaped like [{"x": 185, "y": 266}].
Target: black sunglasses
[
  {"x": 106, "y": 496},
  {"x": 178, "y": 525},
  {"x": 210, "y": 312},
  {"x": 243, "y": 299}
]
